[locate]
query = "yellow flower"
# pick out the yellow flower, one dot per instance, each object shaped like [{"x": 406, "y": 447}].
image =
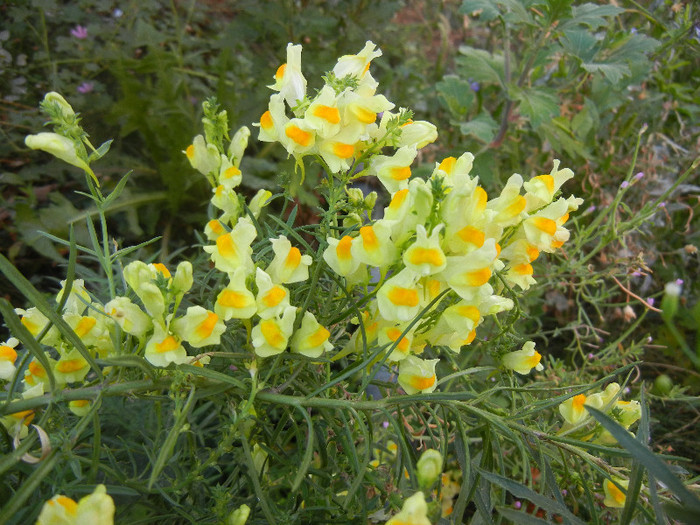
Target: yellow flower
[
  {"x": 288, "y": 265},
  {"x": 543, "y": 230},
  {"x": 199, "y": 327},
  {"x": 311, "y": 339},
  {"x": 455, "y": 172},
  {"x": 389, "y": 334},
  {"x": 417, "y": 134},
  {"x": 203, "y": 157},
  {"x": 394, "y": 172},
  {"x": 238, "y": 144},
  {"x": 373, "y": 246},
  {"x": 540, "y": 190},
  {"x": 323, "y": 114},
  {"x": 232, "y": 249},
  {"x": 524, "y": 360},
  {"x": 272, "y": 299},
  {"x": 80, "y": 407},
  {"x": 408, "y": 209},
  {"x": 141, "y": 279},
  {"x": 424, "y": 256},
  {"x": 164, "y": 348},
  {"x": 298, "y": 137},
  {"x": 466, "y": 274},
  {"x": 289, "y": 80},
  {"x": 95, "y": 509},
  {"x": 270, "y": 336},
  {"x": 34, "y": 321},
  {"x": 236, "y": 301},
  {"x": 226, "y": 200},
  {"x": 573, "y": 411},
  {"x": 413, "y": 512},
  {"x": 339, "y": 257},
  {"x": 399, "y": 298},
  {"x": 339, "y": 150},
  {"x": 8, "y": 356},
  {"x": 35, "y": 373},
  {"x": 59, "y": 146},
  {"x": 356, "y": 65},
  {"x": 78, "y": 298},
  {"x": 509, "y": 205},
  {"x": 259, "y": 201},
  {"x": 230, "y": 175},
  {"x": 71, "y": 367},
  {"x": 417, "y": 375},
  {"x": 614, "y": 497}
]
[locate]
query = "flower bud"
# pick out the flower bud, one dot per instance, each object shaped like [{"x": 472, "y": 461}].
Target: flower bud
[
  {"x": 429, "y": 468},
  {"x": 239, "y": 516},
  {"x": 57, "y": 99},
  {"x": 239, "y": 143}
]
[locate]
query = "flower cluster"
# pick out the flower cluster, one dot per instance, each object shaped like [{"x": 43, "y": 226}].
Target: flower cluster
[
  {"x": 254, "y": 291},
  {"x": 578, "y": 420},
  {"x": 437, "y": 237}
]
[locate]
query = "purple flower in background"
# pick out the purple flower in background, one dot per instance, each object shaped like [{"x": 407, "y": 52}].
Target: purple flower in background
[
  {"x": 117, "y": 13},
  {"x": 624, "y": 184},
  {"x": 475, "y": 86},
  {"x": 86, "y": 87},
  {"x": 79, "y": 32},
  {"x": 679, "y": 282},
  {"x": 639, "y": 175},
  {"x": 650, "y": 301}
]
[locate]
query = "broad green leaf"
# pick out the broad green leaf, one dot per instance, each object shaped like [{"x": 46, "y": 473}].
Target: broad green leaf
[
  {"x": 483, "y": 127},
  {"x": 592, "y": 15},
  {"x": 613, "y": 71},
  {"x": 487, "y": 9},
  {"x": 579, "y": 43},
  {"x": 455, "y": 94},
  {"x": 537, "y": 104},
  {"x": 481, "y": 66}
]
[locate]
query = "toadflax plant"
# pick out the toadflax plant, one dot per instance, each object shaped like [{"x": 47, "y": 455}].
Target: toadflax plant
[{"x": 296, "y": 373}]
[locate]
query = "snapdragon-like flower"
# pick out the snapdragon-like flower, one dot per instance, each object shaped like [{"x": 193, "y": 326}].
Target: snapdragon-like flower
[
  {"x": 394, "y": 172},
  {"x": 164, "y": 348},
  {"x": 288, "y": 265},
  {"x": 399, "y": 298},
  {"x": 96, "y": 509},
  {"x": 413, "y": 512},
  {"x": 524, "y": 360},
  {"x": 8, "y": 356},
  {"x": 417, "y": 375},
  {"x": 374, "y": 246},
  {"x": 573, "y": 411},
  {"x": 59, "y": 146},
  {"x": 614, "y": 497},
  {"x": 71, "y": 367},
  {"x": 236, "y": 301},
  {"x": 272, "y": 299},
  {"x": 232, "y": 249},
  {"x": 311, "y": 339},
  {"x": 78, "y": 298},
  {"x": 540, "y": 190},
  {"x": 270, "y": 336},
  {"x": 203, "y": 157},
  {"x": 199, "y": 327},
  {"x": 425, "y": 256},
  {"x": 357, "y": 65},
  {"x": 289, "y": 80}
]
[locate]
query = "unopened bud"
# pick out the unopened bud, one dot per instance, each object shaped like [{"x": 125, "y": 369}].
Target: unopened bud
[{"x": 429, "y": 468}]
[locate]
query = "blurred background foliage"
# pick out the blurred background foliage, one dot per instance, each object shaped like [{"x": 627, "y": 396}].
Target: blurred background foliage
[{"x": 517, "y": 82}]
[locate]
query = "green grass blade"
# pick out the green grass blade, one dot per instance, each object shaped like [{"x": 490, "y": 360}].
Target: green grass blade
[
  {"x": 652, "y": 462},
  {"x": 38, "y": 300},
  {"x": 521, "y": 491}
]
